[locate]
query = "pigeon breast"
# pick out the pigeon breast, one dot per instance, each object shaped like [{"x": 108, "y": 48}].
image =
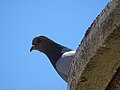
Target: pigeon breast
[{"x": 63, "y": 64}]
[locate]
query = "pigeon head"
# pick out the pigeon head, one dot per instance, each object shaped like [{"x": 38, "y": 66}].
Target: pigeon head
[
  {"x": 40, "y": 43},
  {"x": 45, "y": 45}
]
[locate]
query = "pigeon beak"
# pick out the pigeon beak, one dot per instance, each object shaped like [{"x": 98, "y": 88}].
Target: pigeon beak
[{"x": 32, "y": 48}]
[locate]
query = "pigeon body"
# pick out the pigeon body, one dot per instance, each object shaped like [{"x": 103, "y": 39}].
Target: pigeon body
[{"x": 60, "y": 56}]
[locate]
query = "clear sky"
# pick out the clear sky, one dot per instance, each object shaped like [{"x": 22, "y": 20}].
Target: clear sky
[{"x": 64, "y": 21}]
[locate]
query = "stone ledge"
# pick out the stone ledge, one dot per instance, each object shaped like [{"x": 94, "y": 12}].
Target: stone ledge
[{"x": 98, "y": 55}]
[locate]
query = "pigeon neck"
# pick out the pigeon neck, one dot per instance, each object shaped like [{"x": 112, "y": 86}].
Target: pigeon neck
[{"x": 54, "y": 53}]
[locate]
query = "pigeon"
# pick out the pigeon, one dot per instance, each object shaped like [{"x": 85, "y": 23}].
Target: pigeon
[{"x": 59, "y": 56}]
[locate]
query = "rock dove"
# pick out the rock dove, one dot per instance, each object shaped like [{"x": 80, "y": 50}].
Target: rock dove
[{"x": 60, "y": 56}]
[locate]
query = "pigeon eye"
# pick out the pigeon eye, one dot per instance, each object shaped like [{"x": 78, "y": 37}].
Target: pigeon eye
[{"x": 36, "y": 41}]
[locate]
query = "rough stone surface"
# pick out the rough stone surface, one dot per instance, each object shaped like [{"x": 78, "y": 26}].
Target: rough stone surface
[
  {"x": 98, "y": 55},
  {"x": 115, "y": 82}
]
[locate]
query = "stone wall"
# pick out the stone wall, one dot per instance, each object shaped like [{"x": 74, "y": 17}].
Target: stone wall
[{"x": 98, "y": 55}]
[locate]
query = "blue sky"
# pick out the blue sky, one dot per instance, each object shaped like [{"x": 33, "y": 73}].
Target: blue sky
[{"x": 64, "y": 21}]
